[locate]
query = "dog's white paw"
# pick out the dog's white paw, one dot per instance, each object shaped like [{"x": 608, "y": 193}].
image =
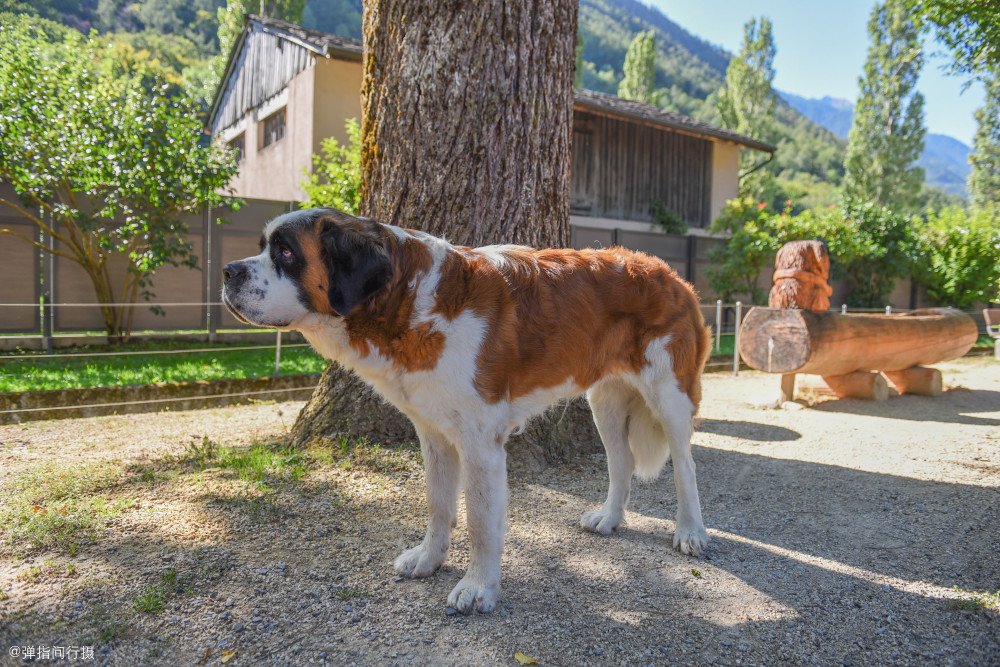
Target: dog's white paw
[
  {"x": 690, "y": 540},
  {"x": 601, "y": 521},
  {"x": 471, "y": 595},
  {"x": 419, "y": 562}
]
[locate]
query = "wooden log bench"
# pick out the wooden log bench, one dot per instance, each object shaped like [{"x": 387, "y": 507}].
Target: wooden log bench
[{"x": 856, "y": 354}]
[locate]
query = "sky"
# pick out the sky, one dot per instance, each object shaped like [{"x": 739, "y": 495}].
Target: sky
[{"x": 821, "y": 50}]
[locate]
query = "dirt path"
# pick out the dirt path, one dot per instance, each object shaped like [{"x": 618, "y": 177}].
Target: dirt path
[{"x": 842, "y": 534}]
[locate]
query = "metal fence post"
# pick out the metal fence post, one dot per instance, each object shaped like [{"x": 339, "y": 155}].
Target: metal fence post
[
  {"x": 736, "y": 340},
  {"x": 277, "y": 353},
  {"x": 47, "y": 322},
  {"x": 718, "y": 325}
]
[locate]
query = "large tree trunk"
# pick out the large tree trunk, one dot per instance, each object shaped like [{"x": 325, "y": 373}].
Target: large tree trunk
[
  {"x": 466, "y": 130},
  {"x": 467, "y": 112}
]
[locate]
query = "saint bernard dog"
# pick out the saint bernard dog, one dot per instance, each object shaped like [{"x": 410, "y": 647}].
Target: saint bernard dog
[{"x": 471, "y": 342}]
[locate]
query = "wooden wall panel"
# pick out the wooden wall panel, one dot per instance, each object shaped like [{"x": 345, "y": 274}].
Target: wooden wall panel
[{"x": 620, "y": 168}]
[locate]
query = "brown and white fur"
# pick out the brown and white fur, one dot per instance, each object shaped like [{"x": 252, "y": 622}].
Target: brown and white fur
[{"x": 471, "y": 342}]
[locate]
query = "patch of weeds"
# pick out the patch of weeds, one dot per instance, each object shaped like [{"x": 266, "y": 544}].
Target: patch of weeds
[
  {"x": 259, "y": 508},
  {"x": 151, "y": 600},
  {"x": 349, "y": 452},
  {"x": 347, "y": 593},
  {"x": 48, "y": 508},
  {"x": 101, "y": 627},
  {"x": 974, "y": 601},
  {"x": 169, "y": 577},
  {"x": 259, "y": 463},
  {"x": 3, "y": 595}
]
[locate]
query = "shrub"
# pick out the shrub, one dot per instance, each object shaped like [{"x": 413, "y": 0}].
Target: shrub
[
  {"x": 336, "y": 177},
  {"x": 958, "y": 257}
]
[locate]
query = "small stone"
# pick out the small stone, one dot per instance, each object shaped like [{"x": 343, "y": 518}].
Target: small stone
[
  {"x": 397, "y": 579},
  {"x": 450, "y": 611},
  {"x": 238, "y": 627}
]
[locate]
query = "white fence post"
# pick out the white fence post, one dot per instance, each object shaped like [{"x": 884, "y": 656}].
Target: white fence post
[
  {"x": 277, "y": 353},
  {"x": 736, "y": 339},
  {"x": 718, "y": 325}
]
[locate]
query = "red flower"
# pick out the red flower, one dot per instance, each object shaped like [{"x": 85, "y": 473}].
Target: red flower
[{"x": 761, "y": 205}]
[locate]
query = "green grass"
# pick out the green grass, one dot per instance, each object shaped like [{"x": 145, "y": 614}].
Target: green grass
[
  {"x": 151, "y": 600},
  {"x": 56, "y": 508},
  {"x": 726, "y": 345},
  {"x": 37, "y": 372},
  {"x": 974, "y": 601}
]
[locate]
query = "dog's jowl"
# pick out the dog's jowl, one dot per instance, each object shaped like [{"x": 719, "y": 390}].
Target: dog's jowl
[{"x": 471, "y": 342}]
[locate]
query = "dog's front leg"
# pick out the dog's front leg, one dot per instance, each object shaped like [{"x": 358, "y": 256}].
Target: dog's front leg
[
  {"x": 484, "y": 468},
  {"x": 441, "y": 469}
]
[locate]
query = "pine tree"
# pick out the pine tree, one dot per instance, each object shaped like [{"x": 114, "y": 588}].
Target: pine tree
[
  {"x": 887, "y": 135},
  {"x": 747, "y": 103},
  {"x": 984, "y": 179},
  {"x": 639, "y": 69}
]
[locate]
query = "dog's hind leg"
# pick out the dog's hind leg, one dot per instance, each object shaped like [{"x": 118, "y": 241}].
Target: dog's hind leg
[
  {"x": 676, "y": 413},
  {"x": 442, "y": 469},
  {"x": 610, "y": 402}
]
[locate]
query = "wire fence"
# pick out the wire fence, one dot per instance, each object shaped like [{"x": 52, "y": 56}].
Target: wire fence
[{"x": 723, "y": 318}]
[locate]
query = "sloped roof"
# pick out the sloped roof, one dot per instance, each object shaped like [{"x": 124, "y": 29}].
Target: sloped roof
[
  {"x": 326, "y": 45},
  {"x": 591, "y": 100}
]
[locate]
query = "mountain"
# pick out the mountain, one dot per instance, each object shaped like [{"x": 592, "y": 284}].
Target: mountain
[
  {"x": 832, "y": 113},
  {"x": 945, "y": 160}
]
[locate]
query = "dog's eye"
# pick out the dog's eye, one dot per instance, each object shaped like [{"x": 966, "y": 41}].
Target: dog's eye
[{"x": 286, "y": 253}]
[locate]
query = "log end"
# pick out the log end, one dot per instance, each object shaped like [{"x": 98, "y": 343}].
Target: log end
[{"x": 775, "y": 340}]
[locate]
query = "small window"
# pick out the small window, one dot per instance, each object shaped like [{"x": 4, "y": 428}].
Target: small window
[
  {"x": 239, "y": 145},
  {"x": 274, "y": 128}
]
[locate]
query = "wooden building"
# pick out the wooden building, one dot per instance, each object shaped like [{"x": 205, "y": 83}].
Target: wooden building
[{"x": 286, "y": 88}]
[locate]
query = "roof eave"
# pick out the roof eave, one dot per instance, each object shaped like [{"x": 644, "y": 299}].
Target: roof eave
[
  {"x": 677, "y": 127},
  {"x": 230, "y": 64}
]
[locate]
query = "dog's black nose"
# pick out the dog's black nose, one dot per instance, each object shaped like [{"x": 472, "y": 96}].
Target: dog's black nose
[{"x": 232, "y": 271}]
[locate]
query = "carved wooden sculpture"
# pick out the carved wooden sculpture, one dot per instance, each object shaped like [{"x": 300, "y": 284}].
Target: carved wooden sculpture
[
  {"x": 801, "y": 277},
  {"x": 850, "y": 351}
]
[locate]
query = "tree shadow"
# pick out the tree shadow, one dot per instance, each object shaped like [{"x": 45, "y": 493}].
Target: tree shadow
[{"x": 802, "y": 554}]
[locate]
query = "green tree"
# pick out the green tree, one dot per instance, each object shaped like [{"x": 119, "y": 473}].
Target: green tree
[
  {"x": 887, "y": 134},
  {"x": 970, "y": 28},
  {"x": 639, "y": 69},
  {"x": 747, "y": 102},
  {"x": 984, "y": 179},
  {"x": 231, "y": 18},
  {"x": 336, "y": 176},
  {"x": 100, "y": 165}
]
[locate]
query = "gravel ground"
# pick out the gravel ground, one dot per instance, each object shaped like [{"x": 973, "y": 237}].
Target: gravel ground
[{"x": 842, "y": 533}]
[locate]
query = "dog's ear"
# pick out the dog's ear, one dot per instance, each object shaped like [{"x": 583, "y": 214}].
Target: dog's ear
[{"x": 357, "y": 263}]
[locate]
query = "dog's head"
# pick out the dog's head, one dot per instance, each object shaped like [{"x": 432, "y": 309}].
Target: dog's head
[{"x": 311, "y": 261}]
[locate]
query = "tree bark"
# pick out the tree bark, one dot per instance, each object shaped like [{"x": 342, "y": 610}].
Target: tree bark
[{"x": 467, "y": 112}]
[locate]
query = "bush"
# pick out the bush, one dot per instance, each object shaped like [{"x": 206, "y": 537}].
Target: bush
[
  {"x": 870, "y": 246},
  {"x": 736, "y": 265},
  {"x": 336, "y": 177},
  {"x": 958, "y": 257},
  {"x": 668, "y": 219}
]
